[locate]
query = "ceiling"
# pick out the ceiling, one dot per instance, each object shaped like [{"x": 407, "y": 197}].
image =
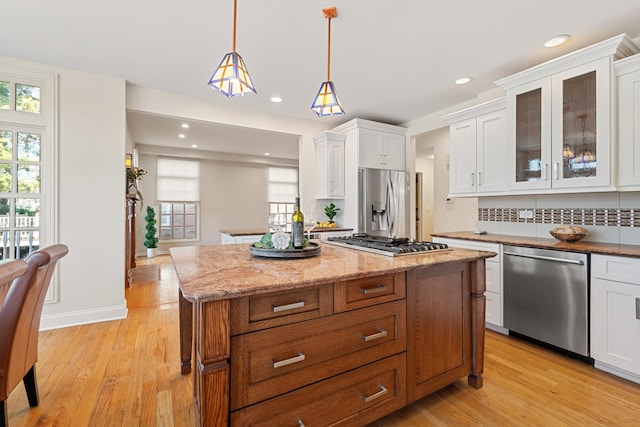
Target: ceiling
[{"x": 390, "y": 61}]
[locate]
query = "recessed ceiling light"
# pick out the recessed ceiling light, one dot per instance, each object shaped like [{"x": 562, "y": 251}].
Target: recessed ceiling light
[
  {"x": 194, "y": 146},
  {"x": 463, "y": 80},
  {"x": 557, "y": 40},
  {"x": 276, "y": 99},
  {"x": 185, "y": 125},
  {"x": 267, "y": 154},
  {"x": 181, "y": 135}
]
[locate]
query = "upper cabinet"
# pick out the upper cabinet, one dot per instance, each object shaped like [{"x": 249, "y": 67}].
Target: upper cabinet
[
  {"x": 379, "y": 145},
  {"x": 329, "y": 165},
  {"x": 381, "y": 150},
  {"x": 477, "y": 149},
  {"x": 628, "y": 76},
  {"x": 559, "y": 124}
]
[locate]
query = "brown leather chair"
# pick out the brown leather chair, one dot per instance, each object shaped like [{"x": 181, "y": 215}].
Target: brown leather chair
[{"x": 20, "y": 323}]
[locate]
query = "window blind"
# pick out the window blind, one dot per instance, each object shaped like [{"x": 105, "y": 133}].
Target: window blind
[
  {"x": 178, "y": 180},
  {"x": 283, "y": 184}
]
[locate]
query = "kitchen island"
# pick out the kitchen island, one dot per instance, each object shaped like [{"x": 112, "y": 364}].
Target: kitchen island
[{"x": 343, "y": 337}]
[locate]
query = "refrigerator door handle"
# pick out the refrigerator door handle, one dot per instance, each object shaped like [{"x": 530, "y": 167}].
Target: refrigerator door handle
[
  {"x": 362, "y": 215},
  {"x": 391, "y": 206}
]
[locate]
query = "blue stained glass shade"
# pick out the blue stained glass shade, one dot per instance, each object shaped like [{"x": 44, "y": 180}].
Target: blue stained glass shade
[
  {"x": 327, "y": 102},
  {"x": 231, "y": 78}
]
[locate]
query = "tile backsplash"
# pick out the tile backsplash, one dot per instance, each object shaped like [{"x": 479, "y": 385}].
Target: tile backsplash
[
  {"x": 612, "y": 217},
  {"x": 609, "y": 217}
]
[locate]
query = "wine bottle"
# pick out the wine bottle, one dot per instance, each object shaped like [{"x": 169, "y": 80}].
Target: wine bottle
[{"x": 297, "y": 220}]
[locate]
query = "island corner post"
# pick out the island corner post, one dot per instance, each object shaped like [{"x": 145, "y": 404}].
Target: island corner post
[{"x": 212, "y": 347}]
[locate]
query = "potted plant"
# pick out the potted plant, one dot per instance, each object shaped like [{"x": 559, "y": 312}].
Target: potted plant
[
  {"x": 331, "y": 211},
  {"x": 150, "y": 239},
  {"x": 133, "y": 176}
]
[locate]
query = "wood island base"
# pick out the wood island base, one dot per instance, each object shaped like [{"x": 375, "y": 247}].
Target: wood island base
[{"x": 344, "y": 352}]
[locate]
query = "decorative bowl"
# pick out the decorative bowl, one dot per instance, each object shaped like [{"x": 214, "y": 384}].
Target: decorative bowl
[{"x": 569, "y": 233}]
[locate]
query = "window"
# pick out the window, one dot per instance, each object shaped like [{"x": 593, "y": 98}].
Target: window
[
  {"x": 283, "y": 184},
  {"x": 27, "y": 153},
  {"x": 178, "y": 189},
  {"x": 283, "y": 189}
]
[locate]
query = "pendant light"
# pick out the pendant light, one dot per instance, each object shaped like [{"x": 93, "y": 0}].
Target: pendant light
[
  {"x": 326, "y": 102},
  {"x": 231, "y": 78}
]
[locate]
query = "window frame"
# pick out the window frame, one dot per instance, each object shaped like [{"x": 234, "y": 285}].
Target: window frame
[
  {"x": 44, "y": 123},
  {"x": 177, "y": 240}
]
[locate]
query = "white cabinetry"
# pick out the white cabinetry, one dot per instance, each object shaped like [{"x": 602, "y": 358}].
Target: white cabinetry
[
  {"x": 628, "y": 76},
  {"x": 228, "y": 239},
  {"x": 381, "y": 150},
  {"x": 559, "y": 128},
  {"x": 377, "y": 145},
  {"x": 477, "y": 149},
  {"x": 493, "y": 278},
  {"x": 615, "y": 315},
  {"x": 329, "y": 165}
]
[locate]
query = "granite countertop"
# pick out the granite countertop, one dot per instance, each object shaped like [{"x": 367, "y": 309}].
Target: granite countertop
[
  {"x": 229, "y": 271},
  {"x": 260, "y": 231},
  {"x": 547, "y": 243}
]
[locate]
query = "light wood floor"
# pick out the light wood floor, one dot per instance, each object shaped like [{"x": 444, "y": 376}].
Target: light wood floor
[{"x": 127, "y": 373}]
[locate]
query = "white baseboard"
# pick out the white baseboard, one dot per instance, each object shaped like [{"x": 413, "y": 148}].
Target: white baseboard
[
  {"x": 617, "y": 371},
  {"x": 83, "y": 317},
  {"x": 496, "y": 328}
]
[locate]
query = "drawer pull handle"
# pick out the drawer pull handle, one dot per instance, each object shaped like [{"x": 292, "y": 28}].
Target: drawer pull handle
[
  {"x": 382, "y": 392},
  {"x": 290, "y": 361},
  {"x": 375, "y": 336},
  {"x": 379, "y": 288},
  {"x": 638, "y": 308},
  {"x": 300, "y": 423},
  {"x": 292, "y": 306}
]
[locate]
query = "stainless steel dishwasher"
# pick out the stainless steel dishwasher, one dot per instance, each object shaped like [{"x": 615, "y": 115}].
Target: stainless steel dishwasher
[{"x": 546, "y": 296}]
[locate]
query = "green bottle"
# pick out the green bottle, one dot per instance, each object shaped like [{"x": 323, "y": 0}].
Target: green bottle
[{"x": 297, "y": 220}]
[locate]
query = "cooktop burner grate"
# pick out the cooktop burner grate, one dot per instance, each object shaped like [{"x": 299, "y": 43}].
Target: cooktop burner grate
[{"x": 390, "y": 246}]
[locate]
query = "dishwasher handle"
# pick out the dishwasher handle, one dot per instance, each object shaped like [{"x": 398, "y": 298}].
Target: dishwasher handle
[{"x": 546, "y": 258}]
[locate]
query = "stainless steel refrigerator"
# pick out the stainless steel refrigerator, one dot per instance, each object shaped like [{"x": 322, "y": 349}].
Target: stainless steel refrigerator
[{"x": 383, "y": 202}]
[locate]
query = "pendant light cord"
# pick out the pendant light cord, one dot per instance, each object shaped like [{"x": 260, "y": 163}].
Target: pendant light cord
[
  {"x": 235, "y": 9},
  {"x": 329, "y": 51}
]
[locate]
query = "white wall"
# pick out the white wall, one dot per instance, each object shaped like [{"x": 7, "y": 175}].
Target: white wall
[
  {"x": 233, "y": 196},
  {"x": 168, "y": 104},
  {"x": 457, "y": 214},
  {"x": 91, "y": 183}
]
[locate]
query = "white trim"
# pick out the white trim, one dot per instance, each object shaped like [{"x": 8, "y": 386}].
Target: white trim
[
  {"x": 617, "y": 371},
  {"x": 83, "y": 317},
  {"x": 48, "y": 121},
  {"x": 476, "y": 110},
  {"x": 616, "y": 47}
]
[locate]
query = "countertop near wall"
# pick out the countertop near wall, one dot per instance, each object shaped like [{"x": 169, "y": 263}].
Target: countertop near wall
[{"x": 535, "y": 242}]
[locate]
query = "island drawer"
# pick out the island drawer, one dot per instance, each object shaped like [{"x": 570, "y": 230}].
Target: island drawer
[
  {"x": 266, "y": 311},
  {"x": 359, "y": 293},
  {"x": 355, "y": 398},
  {"x": 274, "y": 361}
]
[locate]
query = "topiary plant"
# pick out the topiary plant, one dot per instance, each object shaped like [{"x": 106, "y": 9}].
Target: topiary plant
[{"x": 150, "y": 239}]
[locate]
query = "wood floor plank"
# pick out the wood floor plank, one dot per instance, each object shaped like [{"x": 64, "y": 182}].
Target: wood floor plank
[{"x": 127, "y": 373}]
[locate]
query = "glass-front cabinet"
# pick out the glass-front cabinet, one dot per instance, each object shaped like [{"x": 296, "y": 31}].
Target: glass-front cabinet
[{"x": 560, "y": 128}]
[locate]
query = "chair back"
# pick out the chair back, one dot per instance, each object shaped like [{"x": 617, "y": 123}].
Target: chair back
[{"x": 20, "y": 316}]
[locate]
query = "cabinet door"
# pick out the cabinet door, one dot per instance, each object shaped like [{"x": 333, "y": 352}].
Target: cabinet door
[
  {"x": 529, "y": 136},
  {"x": 329, "y": 169},
  {"x": 370, "y": 148},
  {"x": 336, "y": 169},
  {"x": 393, "y": 151},
  {"x": 491, "y": 146},
  {"x": 581, "y": 130},
  {"x": 615, "y": 324},
  {"x": 462, "y": 170},
  {"x": 439, "y": 348},
  {"x": 629, "y": 129}
]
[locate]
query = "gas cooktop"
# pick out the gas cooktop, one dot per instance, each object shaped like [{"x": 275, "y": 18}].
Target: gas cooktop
[{"x": 389, "y": 246}]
